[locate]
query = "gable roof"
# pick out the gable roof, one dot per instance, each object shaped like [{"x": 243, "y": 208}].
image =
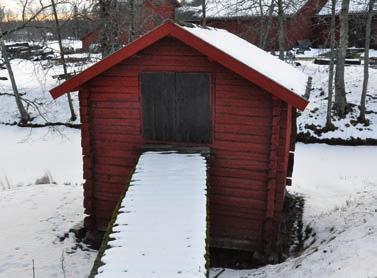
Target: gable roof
[{"x": 252, "y": 63}]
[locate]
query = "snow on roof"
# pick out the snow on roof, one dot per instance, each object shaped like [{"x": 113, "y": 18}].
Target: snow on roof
[
  {"x": 252, "y": 56},
  {"x": 356, "y": 6},
  {"x": 161, "y": 227},
  {"x": 236, "y": 8}
]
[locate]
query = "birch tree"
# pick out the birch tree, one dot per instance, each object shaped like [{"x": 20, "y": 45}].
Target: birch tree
[
  {"x": 368, "y": 31},
  {"x": 340, "y": 90},
  {"x": 331, "y": 66},
  {"x": 24, "y": 116}
]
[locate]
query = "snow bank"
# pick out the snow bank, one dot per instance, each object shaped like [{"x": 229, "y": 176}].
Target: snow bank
[{"x": 161, "y": 227}]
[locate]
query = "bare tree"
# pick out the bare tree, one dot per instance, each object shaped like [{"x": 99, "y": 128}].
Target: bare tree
[
  {"x": 340, "y": 90},
  {"x": 204, "y": 13},
  {"x": 24, "y": 116},
  {"x": 331, "y": 66},
  {"x": 132, "y": 31},
  {"x": 281, "y": 29},
  {"x": 62, "y": 58},
  {"x": 104, "y": 13},
  {"x": 368, "y": 31},
  {"x": 26, "y": 17},
  {"x": 266, "y": 23}
]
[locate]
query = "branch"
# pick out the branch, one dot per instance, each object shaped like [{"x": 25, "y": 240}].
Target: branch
[{"x": 26, "y": 22}]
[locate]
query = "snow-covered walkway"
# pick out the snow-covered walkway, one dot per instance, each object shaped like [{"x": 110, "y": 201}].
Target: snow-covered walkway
[{"x": 161, "y": 227}]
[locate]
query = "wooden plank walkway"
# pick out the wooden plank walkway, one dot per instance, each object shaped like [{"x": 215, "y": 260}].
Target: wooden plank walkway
[{"x": 161, "y": 227}]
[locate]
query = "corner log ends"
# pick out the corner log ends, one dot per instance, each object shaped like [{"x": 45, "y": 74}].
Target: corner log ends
[{"x": 272, "y": 172}]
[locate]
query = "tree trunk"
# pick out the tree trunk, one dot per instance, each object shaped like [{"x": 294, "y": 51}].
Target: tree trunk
[
  {"x": 62, "y": 58},
  {"x": 20, "y": 106},
  {"x": 267, "y": 26},
  {"x": 331, "y": 66},
  {"x": 281, "y": 29},
  {"x": 204, "y": 13},
  {"x": 261, "y": 22},
  {"x": 105, "y": 27},
  {"x": 132, "y": 33},
  {"x": 368, "y": 31},
  {"x": 340, "y": 90}
]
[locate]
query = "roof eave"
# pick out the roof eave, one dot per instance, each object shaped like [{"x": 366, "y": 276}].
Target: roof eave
[{"x": 77, "y": 81}]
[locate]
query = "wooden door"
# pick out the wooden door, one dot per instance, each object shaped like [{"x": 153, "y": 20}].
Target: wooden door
[{"x": 176, "y": 107}]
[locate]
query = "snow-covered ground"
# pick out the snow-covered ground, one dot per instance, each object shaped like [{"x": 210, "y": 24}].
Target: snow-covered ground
[
  {"x": 339, "y": 185},
  {"x": 27, "y": 155},
  {"x": 347, "y": 128},
  {"x": 34, "y": 79},
  {"x": 313, "y": 53},
  {"x": 34, "y": 221},
  {"x": 161, "y": 227},
  {"x": 35, "y": 218}
]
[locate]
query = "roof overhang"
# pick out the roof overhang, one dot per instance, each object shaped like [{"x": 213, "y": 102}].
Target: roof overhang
[{"x": 173, "y": 30}]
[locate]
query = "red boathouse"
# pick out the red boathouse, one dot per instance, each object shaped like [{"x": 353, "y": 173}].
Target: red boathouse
[{"x": 193, "y": 86}]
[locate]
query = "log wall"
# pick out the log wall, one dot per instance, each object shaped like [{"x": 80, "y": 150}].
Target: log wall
[{"x": 250, "y": 144}]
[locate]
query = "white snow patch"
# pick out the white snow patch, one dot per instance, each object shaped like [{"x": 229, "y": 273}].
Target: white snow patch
[
  {"x": 313, "y": 53},
  {"x": 330, "y": 176},
  {"x": 32, "y": 221},
  {"x": 161, "y": 228},
  {"x": 74, "y": 44},
  {"x": 28, "y": 154}
]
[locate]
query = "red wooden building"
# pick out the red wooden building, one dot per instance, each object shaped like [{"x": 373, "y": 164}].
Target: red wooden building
[
  {"x": 89, "y": 39},
  {"x": 306, "y": 20},
  {"x": 197, "y": 87}
]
